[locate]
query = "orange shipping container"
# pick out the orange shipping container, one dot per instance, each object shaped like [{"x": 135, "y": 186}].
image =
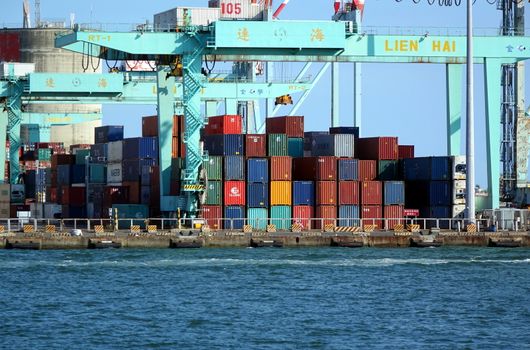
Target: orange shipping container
[
  {"x": 394, "y": 212},
  {"x": 281, "y": 193},
  {"x": 326, "y": 193},
  {"x": 327, "y": 212},
  {"x": 150, "y": 126},
  {"x": 281, "y": 168}
]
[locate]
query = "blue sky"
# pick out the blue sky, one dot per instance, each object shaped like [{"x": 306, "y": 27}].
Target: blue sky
[{"x": 404, "y": 100}]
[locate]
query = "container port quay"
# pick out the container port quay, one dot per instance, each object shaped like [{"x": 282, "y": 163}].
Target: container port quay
[{"x": 199, "y": 179}]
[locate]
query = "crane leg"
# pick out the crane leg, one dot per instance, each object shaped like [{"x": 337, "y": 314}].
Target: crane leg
[
  {"x": 3, "y": 131},
  {"x": 454, "y": 108}
]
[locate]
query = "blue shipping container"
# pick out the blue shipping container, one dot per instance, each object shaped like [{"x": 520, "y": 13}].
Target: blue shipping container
[
  {"x": 78, "y": 174},
  {"x": 131, "y": 211},
  {"x": 234, "y": 212},
  {"x": 98, "y": 173},
  {"x": 348, "y": 170},
  {"x": 427, "y": 168},
  {"x": 64, "y": 176},
  {"x": 440, "y": 193},
  {"x": 295, "y": 147},
  {"x": 308, "y": 138},
  {"x": 225, "y": 145},
  {"x": 104, "y": 134},
  {"x": 350, "y": 130},
  {"x": 304, "y": 193},
  {"x": 258, "y": 170},
  {"x": 234, "y": 168},
  {"x": 257, "y": 218},
  {"x": 257, "y": 195},
  {"x": 132, "y": 168},
  {"x": 394, "y": 193},
  {"x": 349, "y": 216},
  {"x": 140, "y": 148},
  {"x": 146, "y": 175},
  {"x": 99, "y": 153}
]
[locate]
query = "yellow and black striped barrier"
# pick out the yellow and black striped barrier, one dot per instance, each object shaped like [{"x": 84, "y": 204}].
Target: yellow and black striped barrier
[
  {"x": 347, "y": 229},
  {"x": 271, "y": 228},
  {"x": 193, "y": 187},
  {"x": 413, "y": 228},
  {"x": 369, "y": 228},
  {"x": 29, "y": 229},
  {"x": 296, "y": 228},
  {"x": 135, "y": 229},
  {"x": 50, "y": 229},
  {"x": 99, "y": 229},
  {"x": 151, "y": 229},
  {"x": 399, "y": 228},
  {"x": 329, "y": 228},
  {"x": 471, "y": 228},
  {"x": 247, "y": 228},
  {"x": 2, "y": 229}
]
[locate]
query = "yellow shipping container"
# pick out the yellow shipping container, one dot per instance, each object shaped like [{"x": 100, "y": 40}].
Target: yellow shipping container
[{"x": 281, "y": 193}]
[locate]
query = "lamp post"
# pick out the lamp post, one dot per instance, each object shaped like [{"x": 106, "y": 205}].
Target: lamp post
[{"x": 470, "y": 120}]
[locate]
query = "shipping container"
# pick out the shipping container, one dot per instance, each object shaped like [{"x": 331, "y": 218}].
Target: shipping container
[
  {"x": 351, "y": 130},
  {"x": 370, "y": 212},
  {"x": 105, "y": 134},
  {"x": 234, "y": 193},
  {"x": 277, "y": 145},
  {"x": 150, "y": 176},
  {"x": 295, "y": 147},
  {"x": 224, "y": 125},
  {"x": 80, "y": 156},
  {"x": 349, "y": 216},
  {"x": 405, "y": 151},
  {"x": 393, "y": 212},
  {"x": 15, "y": 209},
  {"x": 371, "y": 193},
  {"x": 292, "y": 126},
  {"x": 348, "y": 169},
  {"x": 114, "y": 173},
  {"x": 224, "y": 145},
  {"x": 5, "y": 193},
  {"x": 459, "y": 192},
  {"x": 308, "y": 140},
  {"x": 99, "y": 153},
  {"x": 241, "y": 9},
  {"x": 45, "y": 154},
  {"x": 326, "y": 193},
  {"x": 257, "y": 170},
  {"x": 315, "y": 168},
  {"x": 256, "y": 145},
  {"x": 74, "y": 211},
  {"x": 440, "y": 193},
  {"x": 150, "y": 126},
  {"x": 176, "y": 169},
  {"x": 146, "y": 196},
  {"x": 115, "y": 152},
  {"x": 303, "y": 193},
  {"x": 458, "y": 212},
  {"x": 427, "y": 169},
  {"x": 64, "y": 175},
  {"x": 140, "y": 148},
  {"x": 378, "y": 148},
  {"x": 73, "y": 195},
  {"x": 52, "y": 211},
  {"x": 394, "y": 193},
  {"x": 257, "y": 218},
  {"x": 458, "y": 167},
  {"x": 231, "y": 213},
  {"x": 16, "y": 69},
  {"x": 213, "y": 215},
  {"x": 234, "y": 168},
  {"x": 175, "y": 144},
  {"x": 337, "y": 145},
  {"x": 18, "y": 193},
  {"x": 131, "y": 211},
  {"x": 172, "y": 20},
  {"x": 9, "y": 47},
  {"x": 325, "y": 215},
  {"x": 76, "y": 148},
  {"x": 367, "y": 170},
  {"x": 348, "y": 193},
  {"x": 62, "y": 159},
  {"x": 280, "y": 193},
  {"x": 5, "y": 210},
  {"x": 132, "y": 168},
  {"x": 388, "y": 170},
  {"x": 302, "y": 215},
  {"x": 257, "y": 195},
  {"x": 213, "y": 167},
  {"x": 281, "y": 168},
  {"x": 281, "y": 217},
  {"x": 78, "y": 174},
  {"x": 436, "y": 212},
  {"x": 135, "y": 189},
  {"x": 214, "y": 193}
]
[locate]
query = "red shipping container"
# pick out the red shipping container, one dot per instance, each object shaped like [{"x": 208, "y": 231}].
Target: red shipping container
[
  {"x": 73, "y": 195},
  {"x": 302, "y": 215},
  {"x": 348, "y": 193},
  {"x": 235, "y": 193},
  {"x": 315, "y": 168},
  {"x": 224, "y": 125},
  {"x": 51, "y": 195},
  {"x": 326, "y": 193},
  {"x": 293, "y": 126},
  {"x": 62, "y": 159},
  {"x": 256, "y": 146},
  {"x": 150, "y": 126},
  {"x": 367, "y": 170},
  {"x": 394, "y": 212},
  {"x": 213, "y": 215},
  {"x": 281, "y": 168},
  {"x": 9, "y": 47},
  {"x": 175, "y": 147},
  {"x": 406, "y": 151},
  {"x": 182, "y": 150},
  {"x": 134, "y": 191},
  {"x": 371, "y": 193},
  {"x": 372, "y": 212},
  {"x": 115, "y": 195},
  {"x": 325, "y": 212},
  {"x": 13, "y": 209},
  {"x": 377, "y": 148}
]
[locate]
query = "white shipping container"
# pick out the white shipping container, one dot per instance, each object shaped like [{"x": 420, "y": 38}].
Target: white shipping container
[
  {"x": 184, "y": 16},
  {"x": 52, "y": 210},
  {"x": 16, "y": 69},
  {"x": 115, "y": 152},
  {"x": 5, "y": 210},
  {"x": 338, "y": 145},
  {"x": 114, "y": 173},
  {"x": 459, "y": 192},
  {"x": 37, "y": 210},
  {"x": 459, "y": 211},
  {"x": 5, "y": 193},
  {"x": 459, "y": 168},
  {"x": 241, "y": 9},
  {"x": 74, "y": 134}
]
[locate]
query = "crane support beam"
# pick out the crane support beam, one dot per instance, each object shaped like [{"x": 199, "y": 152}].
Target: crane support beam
[{"x": 454, "y": 108}]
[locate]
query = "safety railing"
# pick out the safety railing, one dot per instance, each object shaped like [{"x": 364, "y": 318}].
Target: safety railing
[{"x": 436, "y": 31}]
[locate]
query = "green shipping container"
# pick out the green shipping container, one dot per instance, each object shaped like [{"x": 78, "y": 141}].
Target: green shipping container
[
  {"x": 81, "y": 155},
  {"x": 281, "y": 212},
  {"x": 131, "y": 211},
  {"x": 388, "y": 170},
  {"x": 214, "y": 168},
  {"x": 257, "y": 218},
  {"x": 214, "y": 193},
  {"x": 44, "y": 154},
  {"x": 98, "y": 174},
  {"x": 295, "y": 147},
  {"x": 176, "y": 167},
  {"x": 277, "y": 144}
]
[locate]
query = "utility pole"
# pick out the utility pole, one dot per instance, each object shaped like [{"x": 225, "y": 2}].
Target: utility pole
[
  {"x": 470, "y": 119},
  {"x": 37, "y": 13}
]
